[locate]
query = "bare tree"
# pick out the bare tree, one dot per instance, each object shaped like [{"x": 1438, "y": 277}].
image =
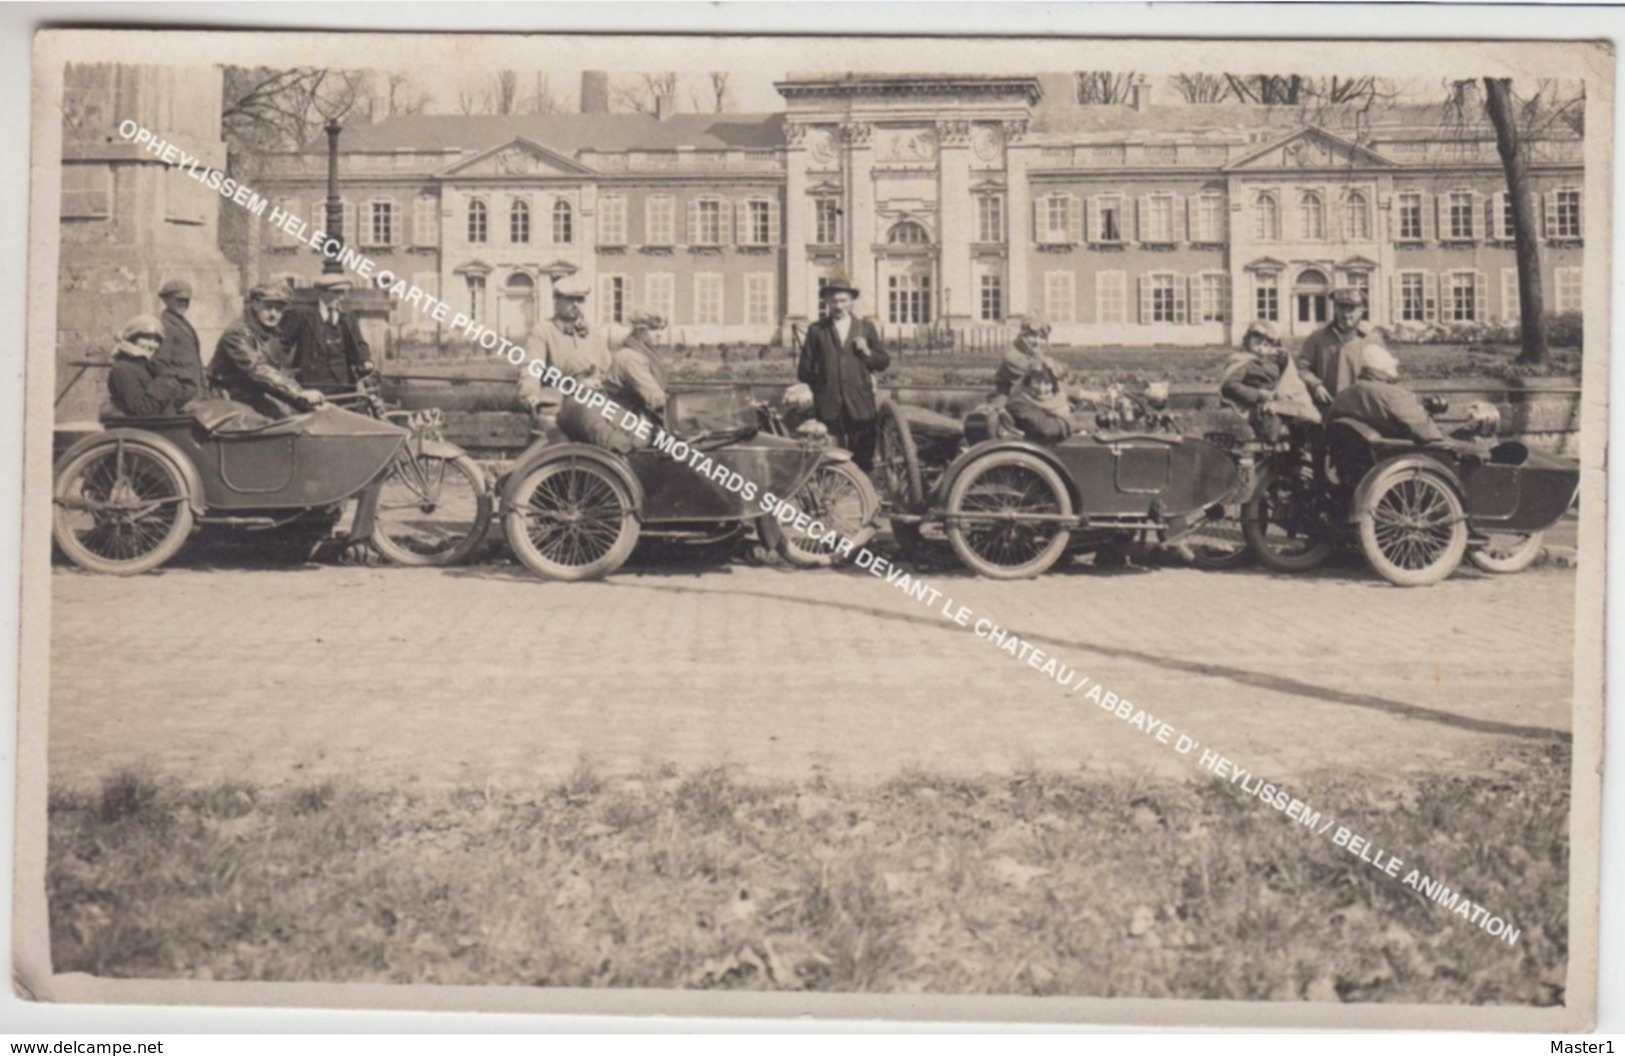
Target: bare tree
[
  {"x": 1103, "y": 87},
  {"x": 468, "y": 100},
  {"x": 1202, "y": 88},
  {"x": 541, "y": 99},
  {"x": 721, "y": 96},
  {"x": 641, "y": 96},
  {"x": 264, "y": 109},
  {"x": 396, "y": 97},
  {"x": 501, "y": 95}
]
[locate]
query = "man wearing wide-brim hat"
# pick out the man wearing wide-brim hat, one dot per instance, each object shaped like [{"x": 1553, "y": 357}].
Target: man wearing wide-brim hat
[
  {"x": 839, "y": 357},
  {"x": 567, "y": 342},
  {"x": 324, "y": 341},
  {"x": 180, "y": 356},
  {"x": 249, "y": 363},
  {"x": 1329, "y": 361}
]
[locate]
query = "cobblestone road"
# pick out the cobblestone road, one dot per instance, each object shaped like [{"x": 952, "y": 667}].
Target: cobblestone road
[{"x": 486, "y": 675}]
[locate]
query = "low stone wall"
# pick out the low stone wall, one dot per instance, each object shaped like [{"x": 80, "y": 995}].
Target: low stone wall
[{"x": 1541, "y": 412}]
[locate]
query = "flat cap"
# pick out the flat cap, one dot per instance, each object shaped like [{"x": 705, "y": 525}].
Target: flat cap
[
  {"x": 646, "y": 317},
  {"x": 1348, "y": 295},
  {"x": 175, "y": 288},
  {"x": 334, "y": 282},
  {"x": 269, "y": 293}
]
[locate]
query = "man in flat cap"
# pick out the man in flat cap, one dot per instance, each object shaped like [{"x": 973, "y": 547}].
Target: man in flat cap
[
  {"x": 1329, "y": 361},
  {"x": 564, "y": 341},
  {"x": 249, "y": 364},
  {"x": 324, "y": 342},
  {"x": 179, "y": 356},
  {"x": 1031, "y": 351},
  {"x": 838, "y": 360},
  {"x": 637, "y": 372}
]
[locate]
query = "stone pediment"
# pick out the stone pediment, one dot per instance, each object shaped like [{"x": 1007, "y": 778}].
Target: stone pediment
[
  {"x": 517, "y": 157},
  {"x": 1266, "y": 264},
  {"x": 1309, "y": 148}
]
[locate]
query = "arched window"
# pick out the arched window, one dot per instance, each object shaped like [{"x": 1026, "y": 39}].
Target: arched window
[
  {"x": 563, "y": 222},
  {"x": 1356, "y": 217},
  {"x": 1312, "y": 211},
  {"x": 476, "y": 220},
  {"x": 907, "y": 233},
  {"x": 520, "y": 283},
  {"x": 1268, "y": 212},
  {"x": 519, "y": 221}
]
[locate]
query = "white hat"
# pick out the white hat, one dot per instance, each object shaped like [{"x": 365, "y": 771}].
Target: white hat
[
  {"x": 1378, "y": 361},
  {"x": 571, "y": 286}
]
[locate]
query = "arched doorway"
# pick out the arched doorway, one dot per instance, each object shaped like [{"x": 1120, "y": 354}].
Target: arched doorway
[
  {"x": 516, "y": 313},
  {"x": 1309, "y": 300},
  {"x": 908, "y": 276}
]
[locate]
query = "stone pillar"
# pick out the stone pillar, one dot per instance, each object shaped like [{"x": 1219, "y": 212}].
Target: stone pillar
[
  {"x": 129, "y": 222},
  {"x": 858, "y": 168},
  {"x": 1018, "y": 197},
  {"x": 796, "y": 232},
  {"x": 956, "y": 220}
]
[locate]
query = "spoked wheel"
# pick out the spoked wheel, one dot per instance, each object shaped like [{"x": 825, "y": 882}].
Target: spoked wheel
[
  {"x": 432, "y": 510},
  {"x": 838, "y": 496},
  {"x": 1217, "y": 542},
  {"x": 1505, "y": 553},
  {"x": 121, "y": 509},
  {"x": 1001, "y": 516},
  {"x": 1413, "y": 531},
  {"x": 571, "y": 519},
  {"x": 1287, "y": 525}
]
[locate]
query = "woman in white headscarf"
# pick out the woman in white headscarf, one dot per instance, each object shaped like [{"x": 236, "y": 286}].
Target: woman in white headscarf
[{"x": 138, "y": 385}]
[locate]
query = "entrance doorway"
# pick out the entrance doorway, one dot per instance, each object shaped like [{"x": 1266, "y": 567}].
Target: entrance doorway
[
  {"x": 1310, "y": 300},
  {"x": 516, "y": 313}
]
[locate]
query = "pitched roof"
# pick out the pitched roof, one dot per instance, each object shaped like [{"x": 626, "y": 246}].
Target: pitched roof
[{"x": 570, "y": 133}]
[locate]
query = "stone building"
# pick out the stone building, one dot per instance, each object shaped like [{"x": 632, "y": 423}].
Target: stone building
[{"x": 956, "y": 202}]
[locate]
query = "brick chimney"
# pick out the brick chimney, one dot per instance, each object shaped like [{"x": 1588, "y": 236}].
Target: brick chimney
[
  {"x": 1141, "y": 99},
  {"x": 665, "y": 106},
  {"x": 594, "y": 92}
]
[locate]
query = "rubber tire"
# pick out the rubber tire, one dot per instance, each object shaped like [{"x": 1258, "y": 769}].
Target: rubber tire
[
  {"x": 1252, "y": 530},
  {"x": 1520, "y": 559},
  {"x": 913, "y": 490},
  {"x": 1454, "y": 551},
  {"x": 1214, "y": 563},
  {"x": 1047, "y": 557},
  {"x": 797, "y": 552},
  {"x": 167, "y": 547},
  {"x": 524, "y": 549},
  {"x": 399, "y": 555}
]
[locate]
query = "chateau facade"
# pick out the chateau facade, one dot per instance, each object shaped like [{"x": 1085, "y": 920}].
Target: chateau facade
[{"x": 952, "y": 201}]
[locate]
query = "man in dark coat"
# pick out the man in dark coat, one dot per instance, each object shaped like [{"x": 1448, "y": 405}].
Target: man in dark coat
[
  {"x": 1329, "y": 361},
  {"x": 838, "y": 359},
  {"x": 180, "y": 357},
  {"x": 324, "y": 342},
  {"x": 249, "y": 364}
]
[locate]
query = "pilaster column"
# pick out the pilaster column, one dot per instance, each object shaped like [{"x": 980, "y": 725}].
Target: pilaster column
[
  {"x": 1018, "y": 199},
  {"x": 956, "y": 221},
  {"x": 858, "y": 169},
  {"x": 796, "y": 231}
]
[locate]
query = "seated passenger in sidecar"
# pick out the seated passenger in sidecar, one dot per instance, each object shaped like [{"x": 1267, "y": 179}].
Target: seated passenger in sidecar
[{"x": 1263, "y": 382}]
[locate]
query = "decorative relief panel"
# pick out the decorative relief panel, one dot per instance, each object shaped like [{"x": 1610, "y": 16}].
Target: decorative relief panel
[
  {"x": 906, "y": 145},
  {"x": 988, "y": 142}
]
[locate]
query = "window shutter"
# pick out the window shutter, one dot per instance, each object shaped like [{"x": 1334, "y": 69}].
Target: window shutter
[
  {"x": 724, "y": 219},
  {"x": 351, "y": 232},
  {"x": 1481, "y": 294},
  {"x": 1145, "y": 300},
  {"x": 1038, "y": 220},
  {"x": 1476, "y": 213},
  {"x": 1088, "y": 216},
  {"x": 397, "y": 220},
  {"x": 1580, "y": 209},
  {"x": 1074, "y": 218},
  {"x": 1432, "y": 227},
  {"x": 1097, "y": 227},
  {"x": 773, "y": 221},
  {"x": 1180, "y": 313},
  {"x": 1509, "y": 294},
  {"x": 694, "y": 222},
  {"x": 1493, "y": 214},
  {"x": 742, "y": 223},
  {"x": 1549, "y": 213},
  {"x": 1179, "y": 219},
  {"x": 1192, "y": 285},
  {"x": 1142, "y": 217},
  {"x": 1396, "y": 299},
  {"x": 1430, "y": 297},
  {"x": 318, "y": 214}
]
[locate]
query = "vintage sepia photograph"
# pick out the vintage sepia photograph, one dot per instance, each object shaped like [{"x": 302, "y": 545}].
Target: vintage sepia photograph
[{"x": 1067, "y": 529}]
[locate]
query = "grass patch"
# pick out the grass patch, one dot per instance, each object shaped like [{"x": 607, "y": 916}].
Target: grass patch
[{"x": 1037, "y": 883}]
